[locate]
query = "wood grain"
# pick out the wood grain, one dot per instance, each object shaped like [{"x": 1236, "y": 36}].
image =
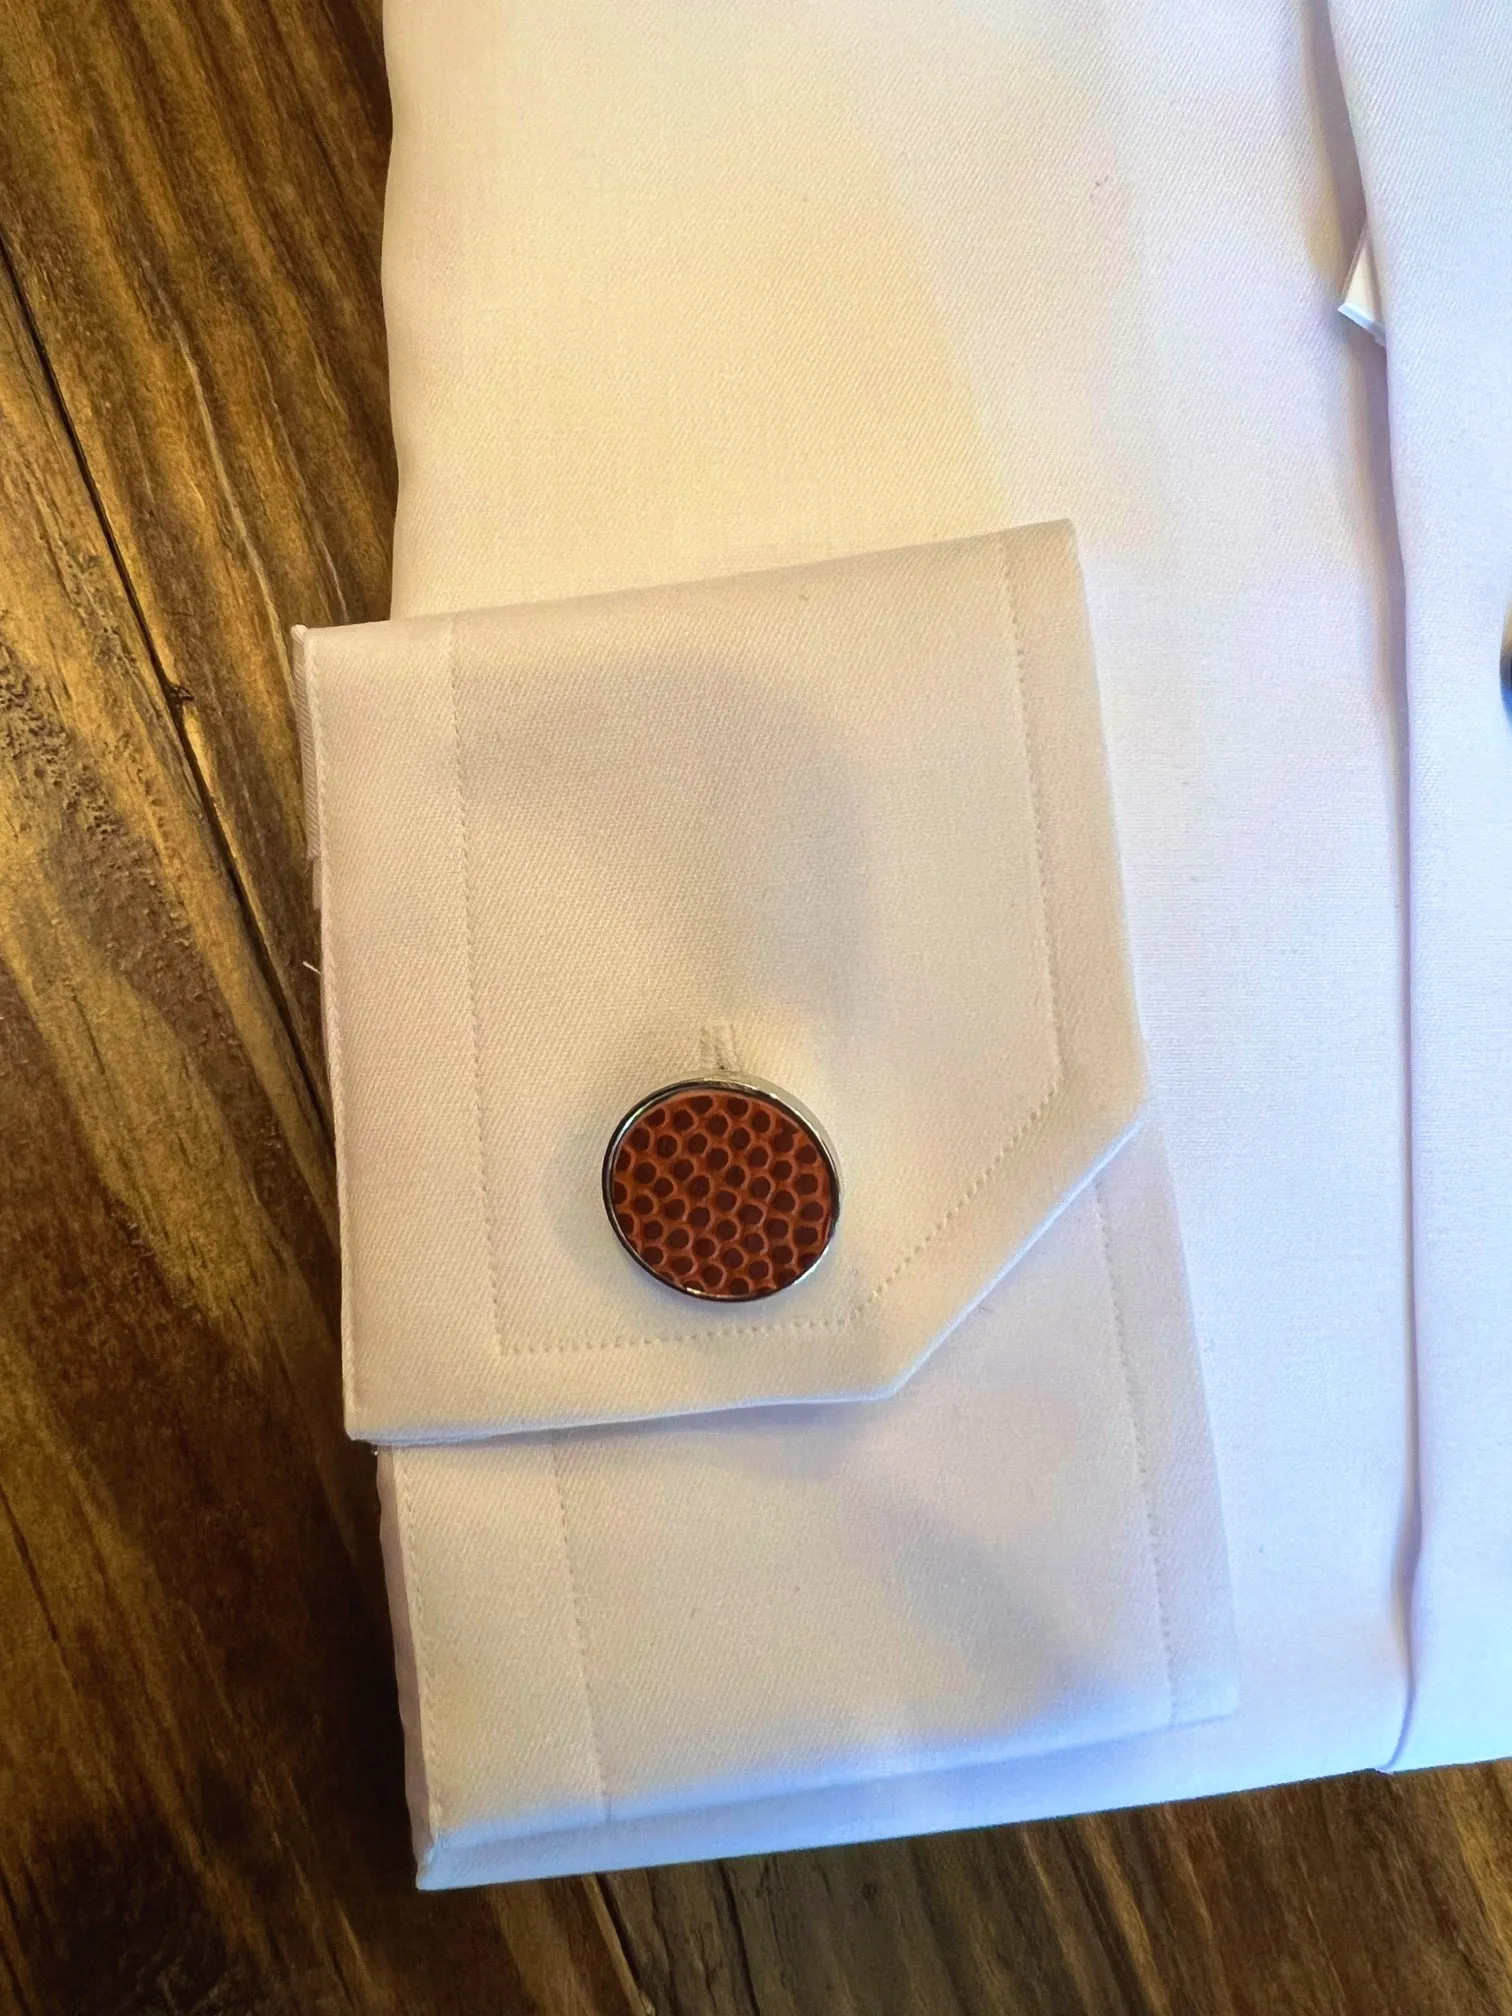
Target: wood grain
[
  {"x": 1367, "y": 1894},
  {"x": 200, "y": 1779},
  {"x": 191, "y": 195}
]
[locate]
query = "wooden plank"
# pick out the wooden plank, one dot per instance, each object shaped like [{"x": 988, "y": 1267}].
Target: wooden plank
[
  {"x": 1357, "y": 1897},
  {"x": 201, "y": 1799},
  {"x": 190, "y": 195}
]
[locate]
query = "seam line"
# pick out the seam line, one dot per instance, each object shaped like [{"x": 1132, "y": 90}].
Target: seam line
[
  {"x": 485, "y": 1193},
  {"x": 594, "y": 1752},
  {"x": 1141, "y": 1461}
]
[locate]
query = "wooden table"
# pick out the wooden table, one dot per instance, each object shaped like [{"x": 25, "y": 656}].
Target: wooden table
[{"x": 200, "y": 1790}]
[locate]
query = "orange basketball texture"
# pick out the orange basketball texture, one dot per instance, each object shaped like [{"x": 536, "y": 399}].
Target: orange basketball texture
[{"x": 723, "y": 1192}]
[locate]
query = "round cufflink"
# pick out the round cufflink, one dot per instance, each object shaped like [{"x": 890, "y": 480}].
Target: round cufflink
[{"x": 721, "y": 1189}]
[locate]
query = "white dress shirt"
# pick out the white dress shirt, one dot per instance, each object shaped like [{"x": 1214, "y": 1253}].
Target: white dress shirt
[{"x": 680, "y": 294}]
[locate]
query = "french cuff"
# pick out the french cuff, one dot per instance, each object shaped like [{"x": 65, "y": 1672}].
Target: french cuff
[{"x": 838, "y": 837}]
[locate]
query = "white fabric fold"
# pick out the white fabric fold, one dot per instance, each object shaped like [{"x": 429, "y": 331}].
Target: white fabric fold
[
  {"x": 849, "y": 820},
  {"x": 1017, "y": 1553},
  {"x": 1430, "y": 90},
  {"x": 676, "y": 292},
  {"x": 855, "y": 817}
]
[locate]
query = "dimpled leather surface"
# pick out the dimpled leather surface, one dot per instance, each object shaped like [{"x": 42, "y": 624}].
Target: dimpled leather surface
[{"x": 722, "y": 1191}]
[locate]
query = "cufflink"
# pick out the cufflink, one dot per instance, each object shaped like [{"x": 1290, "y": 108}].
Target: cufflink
[{"x": 722, "y": 1189}]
